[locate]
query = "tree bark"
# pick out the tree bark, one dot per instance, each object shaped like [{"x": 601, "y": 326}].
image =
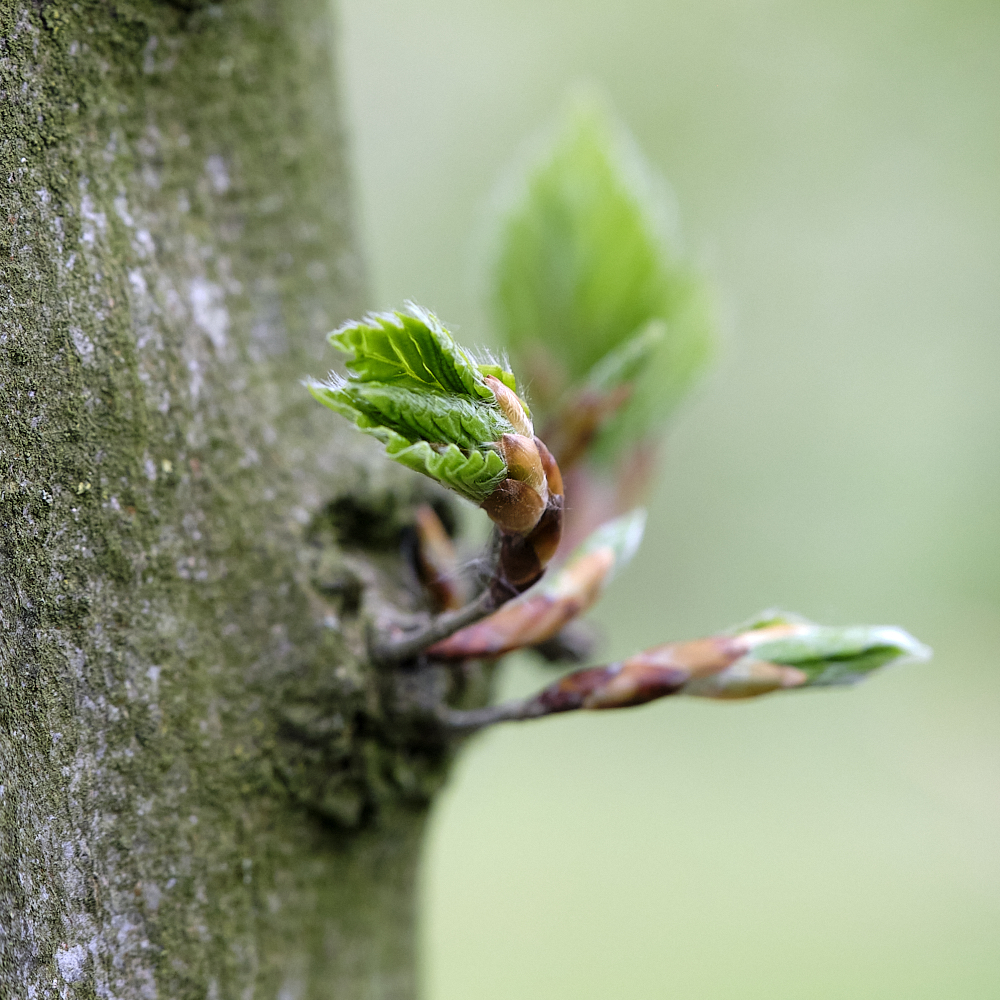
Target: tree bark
[{"x": 206, "y": 790}]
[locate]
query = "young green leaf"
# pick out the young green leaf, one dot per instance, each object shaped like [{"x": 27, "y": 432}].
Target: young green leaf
[
  {"x": 412, "y": 387},
  {"x": 412, "y": 350},
  {"x": 787, "y": 651},
  {"x": 584, "y": 260},
  {"x": 831, "y": 655}
]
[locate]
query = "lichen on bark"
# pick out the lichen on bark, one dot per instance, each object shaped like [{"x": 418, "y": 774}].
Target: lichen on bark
[{"x": 204, "y": 789}]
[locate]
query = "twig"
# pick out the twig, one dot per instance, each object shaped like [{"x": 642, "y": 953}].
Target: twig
[
  {"x": 405, "y": 648},
  {"x": 478, "y": 718},
  {"x": 543, "y": 618},
  {"x": 775, "y": 653},
  {"x": 521, "y": 561}
]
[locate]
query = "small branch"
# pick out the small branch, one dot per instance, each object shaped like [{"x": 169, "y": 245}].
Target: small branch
[
  {"x": 478, "y": 718},
  {"x": 543, "y": 618},
  {"x": 617, "y": 686},
  {"x": 776, "y": 653},
  {"x": 521, "y": 561},
  {"x": 413, "y": 643},
  {"x": 667, "y": 670}
]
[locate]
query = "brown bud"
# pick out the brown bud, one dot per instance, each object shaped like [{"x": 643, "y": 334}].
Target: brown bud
[
  {"x": 437, "y": 563},
  {"x": 524, "y": 463},
  {"x": 531, "y": 619},
  {"x": 582, "y": 578},
  {"x": 519, "y": 567},
  {"x": 552, "y": 474},
  {"x": 510, "y": 406},
  {"x": 514, "y": 507},
  {"x": 635, "y": 684},
  {"x": 534, "y": 617},
  {"x": 699, "y": 657},
  {"x": 747, "y": 681},
  {"x": 546, "y": 535},
  {"x": 573, "y": 690}
]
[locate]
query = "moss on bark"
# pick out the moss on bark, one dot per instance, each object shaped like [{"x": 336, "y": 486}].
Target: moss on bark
[{"x": 204, "y": 792}]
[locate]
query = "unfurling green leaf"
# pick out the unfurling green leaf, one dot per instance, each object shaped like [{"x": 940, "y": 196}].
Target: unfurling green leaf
[
  {"x": 411, "y": 386},
  {"x": 782, "y": 651},
  {"x": 584, "y": 259},
  {"x": 830, "y": 655},
  {"x": 413, "y": 350}
]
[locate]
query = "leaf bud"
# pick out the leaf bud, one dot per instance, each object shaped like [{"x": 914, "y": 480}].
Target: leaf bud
[
  {"x": 552, "y": 474},
  {"x": 510, "y": 406},
  {"x": 747, "y": 678},
  {"x": 514, "y": 506},
  {"x": 524, "y": 463},
  {"x": 634, "y": 683}
]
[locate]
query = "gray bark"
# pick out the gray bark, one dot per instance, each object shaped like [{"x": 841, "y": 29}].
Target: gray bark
[{"x": 205, "y": 788}]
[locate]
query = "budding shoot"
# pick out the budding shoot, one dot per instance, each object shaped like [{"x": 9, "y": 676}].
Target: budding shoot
[{"x": 511, "y": 406}]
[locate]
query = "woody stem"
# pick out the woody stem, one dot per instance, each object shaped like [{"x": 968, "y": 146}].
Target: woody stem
[
  {"x": 478, "y": 718},
  {"x": 413, "y": 643}
]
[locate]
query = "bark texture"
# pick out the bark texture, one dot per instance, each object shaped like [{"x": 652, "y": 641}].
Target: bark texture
[{"x": 206, "y": 790}]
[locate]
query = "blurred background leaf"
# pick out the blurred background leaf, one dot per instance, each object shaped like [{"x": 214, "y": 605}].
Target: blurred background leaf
[
  {"x": 585, "y": 255},
  {"x": 836, "y": 169}
]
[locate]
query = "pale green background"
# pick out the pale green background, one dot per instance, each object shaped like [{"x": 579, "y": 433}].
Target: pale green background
[{"x": 836, "y": 167}]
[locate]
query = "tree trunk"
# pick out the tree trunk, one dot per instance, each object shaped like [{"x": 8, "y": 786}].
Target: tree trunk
[{"x": 206, "y": 791}]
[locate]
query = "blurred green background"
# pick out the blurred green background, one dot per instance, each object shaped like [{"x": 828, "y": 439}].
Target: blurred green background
[{"x": 837, "y": 169}]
